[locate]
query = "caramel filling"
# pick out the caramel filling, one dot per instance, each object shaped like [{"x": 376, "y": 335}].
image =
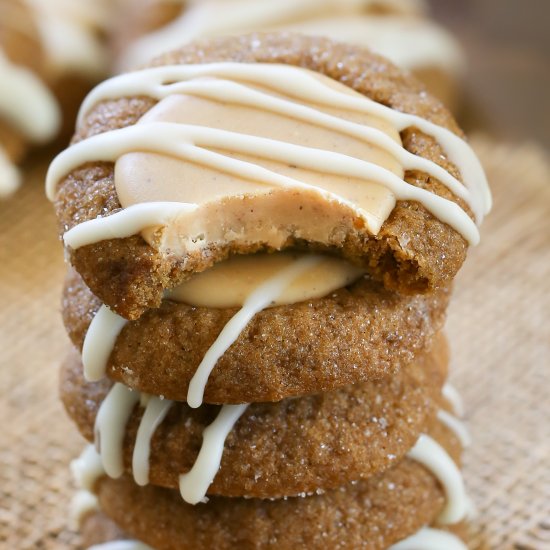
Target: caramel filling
[
  {"x": 229, "y": 283},
  {"x": 233, "y": 202}
]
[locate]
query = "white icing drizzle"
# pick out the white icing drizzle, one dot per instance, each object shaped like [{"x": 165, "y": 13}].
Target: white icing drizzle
[
  {"x": 150, "y": 82},
  {"x": 258, "y": 300},
  {"x": 187, "y": 141},
  {"x": 215, "y": 18},
  {"x": 155, "y": 412},
  {"x": 69, "y": 36},
  {"x": 26, "y": 102},
  {"x": 82, "y": 504},
  {"x": 456, "y": 426},
  {"x": 121, "y": 545},
  {"x": 430, "y": 539},
  {"x": 110, "y": 426},
  {"x": 126, "y": 222},
  {"x": 194, "y": 484},
  {"x": 10, "y": 178},
  {"x": 159, "y": 82},
  {"x": 87, "y": 468},
  {"x": 99, "y": 342},
  {"x": 433, "y": 456},
  {"x": 451, "y": 394}
]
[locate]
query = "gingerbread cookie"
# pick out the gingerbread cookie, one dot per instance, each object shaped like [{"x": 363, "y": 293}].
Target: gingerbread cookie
[
  {"x": 402, "y": 31},
  {"x": 50, "y": 56},
  {"x": 372, "y": 514},
  {"x": 356, "y": 333},
  {"x": 281, "y": 449},
  {"x": 397, "y": 208}
]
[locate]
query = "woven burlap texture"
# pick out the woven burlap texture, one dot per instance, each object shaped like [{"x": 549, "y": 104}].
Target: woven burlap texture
[{"x": 499, "y": 326}]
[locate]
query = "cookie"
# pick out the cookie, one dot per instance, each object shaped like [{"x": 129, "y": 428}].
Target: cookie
[
  {"x": 400, "y": 31},
  {"x": 357, "y": 333},
  {"x": 372, "y": 514},
  {"x": 281, "y": 449},
  {"x": 29, "y": 113},
  {"x": 51, "y": 54},
  {"x": 414, "y": 244}
]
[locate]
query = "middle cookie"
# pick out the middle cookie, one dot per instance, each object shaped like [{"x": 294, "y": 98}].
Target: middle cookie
[
  {"x": 279, "y": 449},
  {"x": 355, "y": 332}
]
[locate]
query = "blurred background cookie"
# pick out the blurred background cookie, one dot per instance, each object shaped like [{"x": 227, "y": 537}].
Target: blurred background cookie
[
  {"x": 51, "y": 53},
  {"x": 400, "y": 30},
  {"x": 422, "y": 216}
]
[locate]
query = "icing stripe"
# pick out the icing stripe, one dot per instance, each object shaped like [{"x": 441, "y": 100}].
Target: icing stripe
[
  {"x": 87, "y": 468},
  {"x": 258, "y": 300},
  {"x": 185, "y": 141},
  {"x": 433, "y": 456},
  {"x": 10, "y": 178},
  {"x": 26, "y": 102},
  {"x": 168, "y": 138},
  {"x": 155, "y": 412},
  {"x": 125, "y": 223},
  {"x": 430, "y": 539},
  {"x": 226, "y": 91},
  {"x": 99, "y": 342},
  {"x": 194, "y": 484},
  {"x": 82, "y": 504},
  {"x": 456, "y": 426},
  {"x": 304, "y": 86},
  {"x": 451, "y": 394},
  {"x": 110, "y": 427}
]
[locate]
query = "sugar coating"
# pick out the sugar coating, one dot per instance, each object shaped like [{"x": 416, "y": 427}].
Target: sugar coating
[
  {"x": 129, "y": 275},
  {"x": 358, "y": 333},
  {"x": 295, "y": 446},
  {"x": 360, "y": 515}
]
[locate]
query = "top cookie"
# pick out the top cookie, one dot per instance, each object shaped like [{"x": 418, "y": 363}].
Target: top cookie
[{"x": 264, "y": 143}]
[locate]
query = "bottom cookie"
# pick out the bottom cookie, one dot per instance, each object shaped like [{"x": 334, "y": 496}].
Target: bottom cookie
[
  {"x": 374, "y": 514},
  {"x": 101, "y": 533}
]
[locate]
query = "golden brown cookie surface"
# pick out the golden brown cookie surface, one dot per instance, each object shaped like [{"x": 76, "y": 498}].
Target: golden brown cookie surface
[
  {"x": 358, "y": 333},
  {"x": 97, "y": 528},
  {"x": 287, "y": 448},
  {"x": 370, "y": 514},
  {"x": 129, "y": 275}
]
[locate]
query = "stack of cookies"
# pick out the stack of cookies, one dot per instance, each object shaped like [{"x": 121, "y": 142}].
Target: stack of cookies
[{"x": 263, "y": 231}]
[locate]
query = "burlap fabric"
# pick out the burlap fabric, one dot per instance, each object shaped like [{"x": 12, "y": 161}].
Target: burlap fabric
[{"x": 499, "y": 325}]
